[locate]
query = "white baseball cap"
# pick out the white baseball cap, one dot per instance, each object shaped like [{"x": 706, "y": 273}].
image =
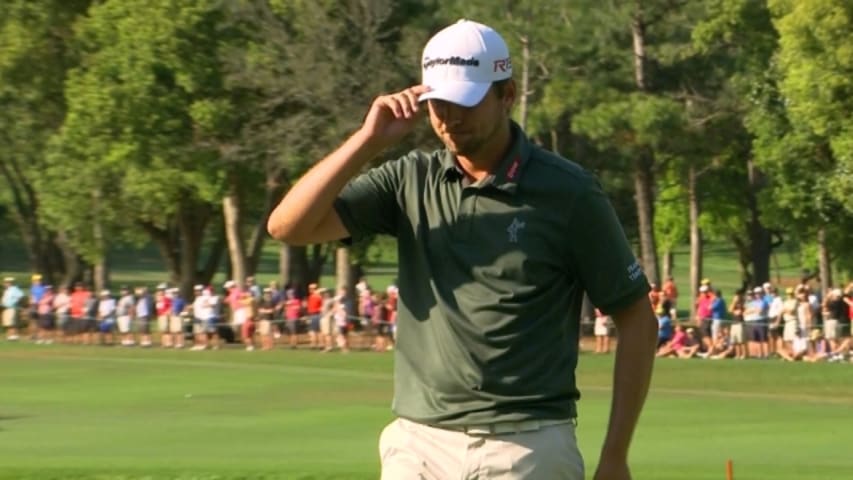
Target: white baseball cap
[{"x": 460, "y": 63}]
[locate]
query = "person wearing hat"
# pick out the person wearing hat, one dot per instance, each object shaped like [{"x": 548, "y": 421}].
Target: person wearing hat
[
  {"x": 835, "y": 317},
  {"x": 125, "y": 310},
  {"x": 704, "y": 315},
  {"x": 37, "y": 291},
  {"x": 755, "y": 324},
  {"x": 498, "y": 241},
  {"x": 12, "y": 296},
  {"x": 107, "y": 317}
]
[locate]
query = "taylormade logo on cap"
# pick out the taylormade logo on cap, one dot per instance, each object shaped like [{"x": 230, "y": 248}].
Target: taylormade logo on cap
[{"x": 460, "y": 63}]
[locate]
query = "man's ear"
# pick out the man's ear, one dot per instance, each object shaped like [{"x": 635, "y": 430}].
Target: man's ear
[{"x": 510, "y": 94}]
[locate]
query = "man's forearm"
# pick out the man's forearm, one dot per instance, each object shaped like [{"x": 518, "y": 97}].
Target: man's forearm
[
  {"x": 311, "y": 198},
  {"x": 635, "y": 353}
]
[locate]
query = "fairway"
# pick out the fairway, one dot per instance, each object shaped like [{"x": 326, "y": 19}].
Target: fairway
[{"x": 73, "y": 412}]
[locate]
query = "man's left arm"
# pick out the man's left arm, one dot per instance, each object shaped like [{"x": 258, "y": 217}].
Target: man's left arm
[{"x": 635, "y": 352}]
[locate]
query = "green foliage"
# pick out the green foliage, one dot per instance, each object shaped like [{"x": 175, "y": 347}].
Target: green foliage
[{"x": 123, "y": 116}]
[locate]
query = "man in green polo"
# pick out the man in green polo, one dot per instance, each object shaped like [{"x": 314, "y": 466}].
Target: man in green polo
[{"x": 498, "y": 241}]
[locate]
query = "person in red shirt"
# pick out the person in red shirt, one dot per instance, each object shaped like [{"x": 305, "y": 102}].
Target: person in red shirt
[
  {"x": 313, "y": 308},
  {"x": 77, "y": 309}
]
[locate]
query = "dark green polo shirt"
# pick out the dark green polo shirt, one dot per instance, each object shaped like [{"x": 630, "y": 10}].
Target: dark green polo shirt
[{"x": 491, "y": 279}]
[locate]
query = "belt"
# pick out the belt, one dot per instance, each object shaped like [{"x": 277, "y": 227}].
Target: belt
[{"x": 506, "y": 427}]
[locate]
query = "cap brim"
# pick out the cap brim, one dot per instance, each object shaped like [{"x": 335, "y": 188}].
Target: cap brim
[{"x": 466, "y": 94}]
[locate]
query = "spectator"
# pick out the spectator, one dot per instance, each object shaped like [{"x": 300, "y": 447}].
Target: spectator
[
  {"x": 820, "y": 350},
  {"x": 124, "y": 315},
  {"x": 703, "y": 312},
  {"x": 144, "y": 312},
  {"x": 12, "y": 296},
  {"x": 313, "y": 308},
  {"x": 46, "y": 317},
  {"x": 790, "y": 321},
  {"x": 721, "y": 346},
  {"x": 37, "y": 291},
  {"x": 804, "y": 311},
  {"x": 379, "y": 323},
  {"x": 665, "y": 329},
  {"x": 755, "y": 321},
  {"x": 693, "y": 345},
  {"x": 774, "y": 317},
  {"x": 671, "y": 292},
  {"x": 176, "y": 319},
  {"x": 235, "y": 299},
  {"x": 61, "y": 307},
  {"x": 266, "y": 316},
  {"x": 253, "y": 288},
  {"x": 601, "y": 329},
  {"x": 836, "y": 317},
  {"x": 327, "y": 320},
  {"x": 341, "y": 316},
  {"x": 79, "y": 325},
  {"x": 736, "y": 331},
  {"x": 107, "y": 309},
  {"x": 205, "y": 308},
  {"x": 718, "y": 313},
  {"x": 163, "y": 309},
  {"x": 247, "y": 329},
  {"x": 674, "y": 345},
  {"x": 292, "y": 313},
  {"x": 654, "y": 295}
]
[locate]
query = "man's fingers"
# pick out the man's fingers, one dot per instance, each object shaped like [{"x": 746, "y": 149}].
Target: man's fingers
[{"x": 404, "y": 104}]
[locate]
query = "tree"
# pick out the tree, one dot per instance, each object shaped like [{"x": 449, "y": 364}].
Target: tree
[
  {"x": 135, "y": 107},
  {"x": 33, "y": 63}
]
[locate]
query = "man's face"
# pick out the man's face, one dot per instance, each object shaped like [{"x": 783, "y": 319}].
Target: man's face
[{"x": 466, "y": 130}]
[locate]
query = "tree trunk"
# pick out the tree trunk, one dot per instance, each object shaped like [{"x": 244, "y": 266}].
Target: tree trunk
[
  {"x": 343, "y": 270},
  {"x": 696, "y": 244},
  {"x": 824, "y": 262},
  {"x": 668, "y": 263},
  {"x": 298, "y": 267},
  {"x": 645, "y": 217},
  {"x": 643, "y": 172},
  {"x": 587, "y": 313},
  {"x": 72, "y": 264},
  {"x": 525, "y": 81},
  {"x": 284, "y": 264},
  {"x": 760, "y": 238},
  {"x": 231, "y": 211}
]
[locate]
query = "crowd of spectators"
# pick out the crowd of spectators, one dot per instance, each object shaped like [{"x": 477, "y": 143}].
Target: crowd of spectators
[
  {"x": 255, "y": 317},
  {"x": 754, "y": 323},
  {"x": 759, "y": 322}
]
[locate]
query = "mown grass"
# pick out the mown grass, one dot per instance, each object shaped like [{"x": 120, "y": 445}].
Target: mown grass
[{"x": 74, "y": 412}]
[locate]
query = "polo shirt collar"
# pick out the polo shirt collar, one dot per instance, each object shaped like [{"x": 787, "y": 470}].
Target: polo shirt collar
[{"x": 508, "y": 171}]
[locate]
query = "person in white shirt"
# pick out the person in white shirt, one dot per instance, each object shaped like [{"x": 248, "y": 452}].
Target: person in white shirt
[
  {"x": 107, "y": 317},
  {"x": 774, "y": 317},
  {"x": 205, "y": 308},
  {"x": 124, "y": 314}
]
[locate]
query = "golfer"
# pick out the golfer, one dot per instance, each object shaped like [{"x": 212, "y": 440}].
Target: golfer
[{"x": 498, "y": 240}]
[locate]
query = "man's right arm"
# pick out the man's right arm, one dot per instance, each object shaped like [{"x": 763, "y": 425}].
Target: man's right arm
[{"x": 306, "y": 214}]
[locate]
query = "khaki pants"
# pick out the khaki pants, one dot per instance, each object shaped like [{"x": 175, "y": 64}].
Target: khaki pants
[
  {"x": 412, "y": 451},
  {"x": 10, "y": 317}
]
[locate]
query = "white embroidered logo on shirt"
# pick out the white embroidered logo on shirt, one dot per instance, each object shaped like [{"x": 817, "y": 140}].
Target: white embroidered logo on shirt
[{"x": 513, "y": 229}]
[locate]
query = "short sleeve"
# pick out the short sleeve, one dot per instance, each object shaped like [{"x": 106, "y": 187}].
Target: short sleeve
[
  {"x": 602, "y": 258},
  {"x": 369, "y": 203}
]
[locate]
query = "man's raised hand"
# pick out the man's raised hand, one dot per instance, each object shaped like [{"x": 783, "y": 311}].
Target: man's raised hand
[{"x": 393, "y": 116}]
